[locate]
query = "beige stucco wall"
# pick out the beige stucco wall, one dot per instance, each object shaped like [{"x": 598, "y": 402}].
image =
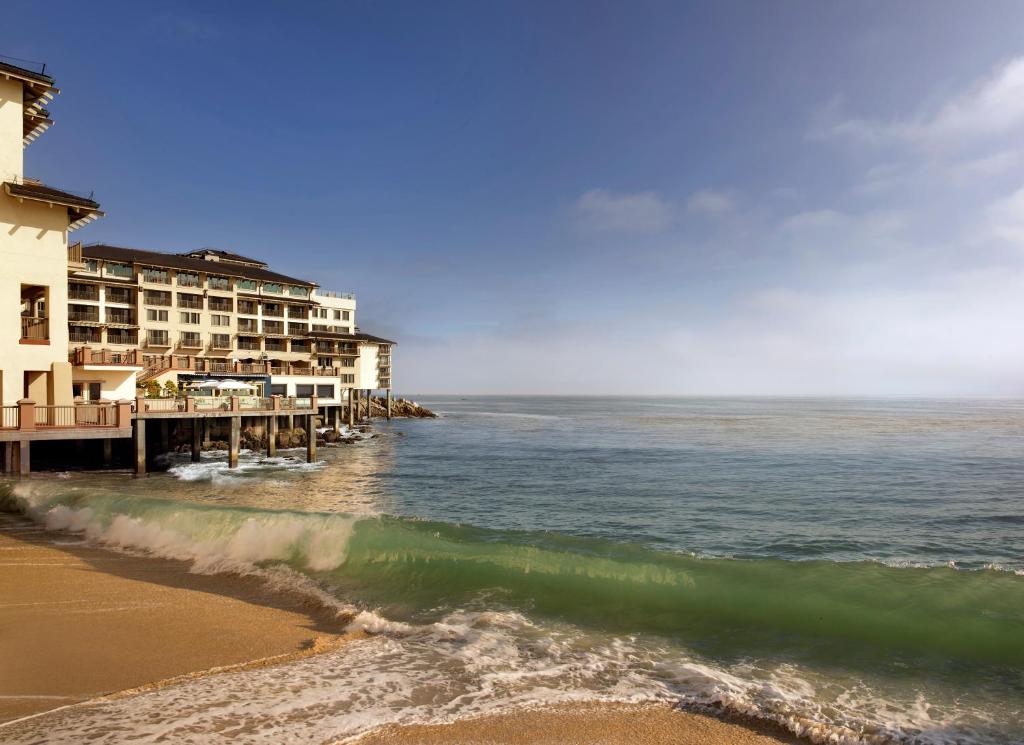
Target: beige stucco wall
[
  {"x": 366, "y": 377},
  {"x": 11, "y": 147},
  {"x": 33, "y": 251},
  {"x": 115, "y": 383}
]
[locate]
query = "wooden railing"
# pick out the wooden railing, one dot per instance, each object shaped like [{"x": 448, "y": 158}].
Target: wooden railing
[
  {"x": 87, "y": 356},
  {"x": 75, "y": 254},
  {"x": 26, "y": 416},
  {"x": 34, "y": 327}
]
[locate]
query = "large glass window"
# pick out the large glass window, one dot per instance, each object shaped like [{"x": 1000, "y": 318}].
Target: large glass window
[
  {"x": 188, "y": 279},
  {"x": 272, "y": 287},
  {"x": 218, "y": 283},
  {"x": 158, "y": 276},
  {"x": 303, "y": 390},
  {"x": 245, "y": 284},
  {"x": 115, "y": 269},
  {"x": 325, "y": 391}
]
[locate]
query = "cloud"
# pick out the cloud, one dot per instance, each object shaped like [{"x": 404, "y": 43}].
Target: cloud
[
  {"x": 991, "y": 107},
  {"x": 600, "y": 210},
  {"x": 708, "y": 202},
  {"x": 1006, "y": 218}
]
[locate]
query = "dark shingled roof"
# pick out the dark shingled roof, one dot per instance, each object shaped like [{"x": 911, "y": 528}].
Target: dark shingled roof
[
  {"x": 358, "y": 336},
  {"x": 25, "y": 72},
  {"x": 226, "y": 255},
  {"x": 179, "y": 261},
  {"x": 49, "y": 194}
]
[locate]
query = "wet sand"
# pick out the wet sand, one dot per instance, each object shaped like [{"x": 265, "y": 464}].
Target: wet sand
[
  {"x": 592, "y": 724},
  {"x": 77, "y": 622}
]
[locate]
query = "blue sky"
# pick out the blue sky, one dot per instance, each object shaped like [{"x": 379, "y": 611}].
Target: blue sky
[{"x": 715, "y": 198}]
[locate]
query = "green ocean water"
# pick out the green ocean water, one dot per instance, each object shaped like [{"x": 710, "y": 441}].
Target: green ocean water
[{"x": 850, "y": 569}]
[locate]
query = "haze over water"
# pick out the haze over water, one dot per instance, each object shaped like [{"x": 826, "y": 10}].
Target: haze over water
[{"x": 850, "y": 568}]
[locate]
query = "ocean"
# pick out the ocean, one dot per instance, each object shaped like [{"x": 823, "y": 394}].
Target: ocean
[{"x": 851, "y": 569}]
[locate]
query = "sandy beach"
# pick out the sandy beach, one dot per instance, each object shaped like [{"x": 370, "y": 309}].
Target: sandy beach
[{"x": 78, "y": 622}]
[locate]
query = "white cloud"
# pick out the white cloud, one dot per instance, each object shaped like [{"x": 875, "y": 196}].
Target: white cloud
[
  {"x": 603, "y": 211},
  {"x": 991, "y": 107},
  {"x": 1006, "y": 217},
  {"x": 814, "y": 221},
  {"x": 708, "y": 202}
]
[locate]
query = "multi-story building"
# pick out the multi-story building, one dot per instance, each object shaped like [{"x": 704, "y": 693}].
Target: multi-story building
[
  {"x": 35, "y": 220},
  {"x": 210, "y": 313},
  {"x": 84, "y": 323}
]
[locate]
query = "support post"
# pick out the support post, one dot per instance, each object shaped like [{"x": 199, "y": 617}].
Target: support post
[
  {"x": 271, "y": 436},
  {"x": 206, "y": 433},
  {"x": 351, "y": 407},
  {"x": 197, "y": 439},
  {"x": 337, "y": 418},
  {"x": 389, "y": 404},
  {"x": 139, "y": 434},
  {"x": 165, "y": 435},
  {"x": 310, "y": 438},
  {"x": 108, "y": 451},
  {"x": 24, "y": 458},
  {"x": 234, "y": 441}
]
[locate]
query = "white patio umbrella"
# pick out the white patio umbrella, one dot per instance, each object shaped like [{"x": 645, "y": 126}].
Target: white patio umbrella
[{"x": 233, "y": 385}]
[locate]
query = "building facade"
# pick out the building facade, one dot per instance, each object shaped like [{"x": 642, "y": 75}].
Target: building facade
[
  {"x": 88, "y": 323},
  {"x": 35, "y": 220}
]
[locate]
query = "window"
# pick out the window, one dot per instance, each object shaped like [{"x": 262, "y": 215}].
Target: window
[
  {"x": 77, "y": 291},
  {"x": 218, "y": 319},
  {"x": 348, "y": 361},
  {"x": 275, "y": 345},
  {"x": 273, "y": 309},
  {"x": 220, "y": 303},
  {"x": 344, "y": 315},
  {"x": 190, "y": 301},
  {"x": 221, "y": 341},
  {"x": 298, "y": 291},
  {"x": 191, "y": 339},
  {"x": 218, "y": 283},
  {"x": 248, "y": 342},
  {"x": 299, "y": 329},
  {"x": 118, "y": 270},
  {"x": 325, "y": 391},
  {"x": 325, "y": 361},
  {"x": 156, "y": 297},
  {"x": 348, "y": 378},
  {"x": 119, "y": 295},
  {"x": 247, "y": 324},
  {"x": 301, "y": 346},
  {"x": 245, "y": 284},
  {"x": 158, "y": 276},
  {"x": 92, "y": 265},
  {"x": 272, "y": 287},
  {"x": 122, "y": 336},
  {"x": 303, "y": 391},
  {"x": 246, "y": 306},
  {"x": 188, "y": 279},
  {"x": 157, "y": 338},
  {"x": 152, "y": 314},
  {"x": 273, "y": 327},
  {"x": 278, "y": 389},
  {"x": 190, "y": 318},
  {"x": 319, "y": 312}
]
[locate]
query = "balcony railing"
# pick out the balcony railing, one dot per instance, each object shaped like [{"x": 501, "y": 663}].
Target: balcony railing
[
  {"x": 26, "y": 415},
  {"x": 92, "y": 316},
  {"x": 83, "y": 338},
  {"x": 75, "y": 255},
  {"x": 35, "y": 328},
  {"x": 87, "y": 292},
  {"x": 120, "y": 296},
  {"x": 113, "y": 338},
  {"x": 194, "y": 303},
  {"x": 115, "y": 317}
]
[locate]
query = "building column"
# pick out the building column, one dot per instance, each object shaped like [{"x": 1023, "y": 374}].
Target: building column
[
  {"x": 310, "y": 439},
  {"x": 291, "y": 421},
  {"x": 24, "y": 458},
  {"x": 369, "y": 404},
  {"x": 206, "y": 433},
  {"x": 197, "y": 439},
  {"x": 389, "y": 404},
  {"x": 271, "y": 436},
  {"x": 108, "y": 451},
  {"x": 337, "y": 418},
  {"x": 234, "y": 441},
  {"x": 139, "y": 433},
  {"x": 351, "y": 407}
]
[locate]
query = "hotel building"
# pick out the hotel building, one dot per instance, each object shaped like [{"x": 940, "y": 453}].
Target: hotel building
[{"x": 88, "y": 323}]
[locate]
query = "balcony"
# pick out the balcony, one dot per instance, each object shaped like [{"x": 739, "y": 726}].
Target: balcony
[
  {"x": 35, "y": 329},
  {"x": 84, "y": 336},
  {"x": 247, "y": 326},
  {"x": 120, "y": 316},
  {"x": 158, "y": 341},
  {"x": 194, "y": 302},
  {"x": 188, "y": 280},
  {"x": 157, "y": 298},
  {"x": 220, "y": 304},
  {"x": 86, "y": 356},
  {"x": 273, "y": 311},
  {"x": 84, "y": 315},
  {"x": 276, "y": 345},
  {"x": 84, "y": 292},
  {"x": 220, "y": 342},
  {"x": 273, "y": 327},
  {"x": 251, "y": 345},
  {"x": 118, "y": 336},
  {"x": 190, "y": 340},
  {"x": 120, "y": 295},
  {"x": 297, "y": 311}
]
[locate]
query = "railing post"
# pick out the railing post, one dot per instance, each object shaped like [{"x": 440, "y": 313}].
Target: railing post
[
  {"x": 313, "y": 404},
  {"x": 234, "y": 403},
  {"x": 140, "y": 405},
  {"x": 124, "y": 414},
  {"x": 26, "y": 414},
  {"x": 190, "y": 403},
  {"x": 276, "y": 402}
]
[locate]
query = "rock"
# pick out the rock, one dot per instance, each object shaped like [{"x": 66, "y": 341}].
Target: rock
[{"x": 331, "y": 436}]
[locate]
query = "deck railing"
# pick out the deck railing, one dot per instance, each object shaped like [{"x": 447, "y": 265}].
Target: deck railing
[
  {"x": 35, "y": 327},
  {"x": 9, "y": 417},
  {"x": 26, "y": 415}
]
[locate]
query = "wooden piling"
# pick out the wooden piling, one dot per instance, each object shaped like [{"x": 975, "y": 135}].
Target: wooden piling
[
  {"x": 234, "y": 441},
  {"x": 389, "y": 404},
  {"x": 24, "y": 458},
  {"x": 108, "y": 451},
  {"x": 310, "y": 439},
  {"x": 197, "y": 439},
  {"x": 139, "y": 434},
  {"x": 271, "y": 436},
  {"x": 351, "y": 407}
]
